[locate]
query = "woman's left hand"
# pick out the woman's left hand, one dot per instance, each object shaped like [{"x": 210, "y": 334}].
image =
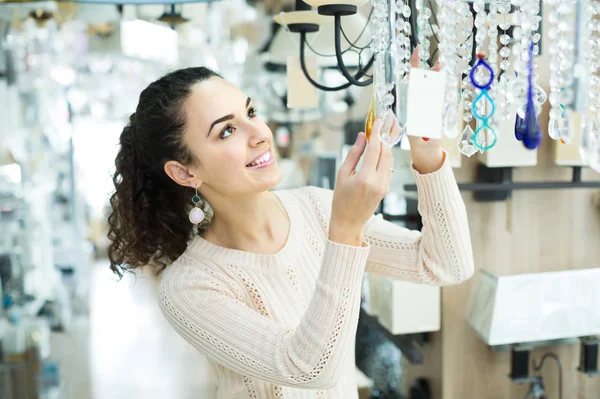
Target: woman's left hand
[{"x": 428, "y": 156}]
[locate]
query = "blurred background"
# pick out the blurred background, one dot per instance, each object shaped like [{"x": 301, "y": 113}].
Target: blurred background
[{"x": 71, "y": 74}]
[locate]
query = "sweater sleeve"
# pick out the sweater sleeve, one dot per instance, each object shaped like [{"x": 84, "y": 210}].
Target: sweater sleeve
[
  {"x": 439, "y": 254},
  {"x": 203, "y": 307}
]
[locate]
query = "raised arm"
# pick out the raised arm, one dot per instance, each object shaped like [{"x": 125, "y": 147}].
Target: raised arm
[
  {"x": 210, "y": 314},
  {"x": 440, "y": 254}
]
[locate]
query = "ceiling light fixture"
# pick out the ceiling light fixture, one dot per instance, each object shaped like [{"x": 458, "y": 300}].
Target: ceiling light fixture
[{"x": 306, "y": 21}]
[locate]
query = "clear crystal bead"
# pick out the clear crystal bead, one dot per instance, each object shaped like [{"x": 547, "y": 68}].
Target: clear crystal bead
[
  {"x": 388, "y": 99},
  {"x": 406, "y": 11},
  {"x": 465, "y": 145},
  {"x": 555, "y": 113},
  {"x": 505, "y": 65},
  {"x": 467, "y": 117},
  {"x": 504, "y": 52},
  {"x": 554, "y": 129},
  {"x": 505, "y": 39},
  {"x": 451, "y": 124}
]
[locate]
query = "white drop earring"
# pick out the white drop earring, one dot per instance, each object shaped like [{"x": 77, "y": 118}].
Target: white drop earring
[{"x": 196, "y": 214}]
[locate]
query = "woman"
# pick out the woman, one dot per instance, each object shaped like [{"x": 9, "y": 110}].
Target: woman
[{"x": 268, "y": 284}]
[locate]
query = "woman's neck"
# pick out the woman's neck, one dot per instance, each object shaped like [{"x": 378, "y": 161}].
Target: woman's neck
[{"x": 257, "y": 224}]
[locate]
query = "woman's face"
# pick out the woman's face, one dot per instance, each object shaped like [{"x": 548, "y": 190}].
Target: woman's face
[{"x": 234, "y": 146}]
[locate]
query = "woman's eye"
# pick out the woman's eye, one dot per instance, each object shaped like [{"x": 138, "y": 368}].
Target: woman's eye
[
  {"x": 252, "y": 112},
  {"x": 228, "y": 131}
]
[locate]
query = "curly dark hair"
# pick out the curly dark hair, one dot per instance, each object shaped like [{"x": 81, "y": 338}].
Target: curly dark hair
[{"x": 149, "y": 221}]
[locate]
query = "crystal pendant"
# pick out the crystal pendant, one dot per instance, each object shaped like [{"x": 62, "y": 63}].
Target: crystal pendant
[
  {"x": 451, "y": 125},
  {"x": 564, "y": 134},
  {"x": 554, "y": 126},
  {"x": 371, "y": 115},
  {"x": 465, "y": 145},
  {"x": 532, "y": 136},
  {"x": 393, "y": 136},
  {"x": 519, "y": 128}
]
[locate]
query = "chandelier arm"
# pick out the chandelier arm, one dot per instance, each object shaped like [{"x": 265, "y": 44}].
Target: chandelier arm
[
  {"x": 307, "y": 75},
  {"x": 319, "y": 86},
  {"x": 338, "y": 53}
]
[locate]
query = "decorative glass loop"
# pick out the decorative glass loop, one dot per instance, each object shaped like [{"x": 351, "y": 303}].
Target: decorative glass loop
[
  {"x": 480, "y": 97},
  {"x": 492, "y": 135},
  {"x": 481, "y": 63}
]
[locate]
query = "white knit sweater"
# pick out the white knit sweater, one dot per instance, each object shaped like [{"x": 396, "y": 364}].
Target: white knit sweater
[{"x": 283, "y": 325}]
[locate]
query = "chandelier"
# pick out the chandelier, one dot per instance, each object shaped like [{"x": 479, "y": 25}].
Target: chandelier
[
  {"x": 304, "y": 20},
  {"x": 489, "y": 51}
]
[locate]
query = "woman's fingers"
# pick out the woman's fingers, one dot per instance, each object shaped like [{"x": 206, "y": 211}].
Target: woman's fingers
[
  {"x": 374, "y": 147},
  {"x": 354, "y": 155},
  {"x": 414, "y": 59}
]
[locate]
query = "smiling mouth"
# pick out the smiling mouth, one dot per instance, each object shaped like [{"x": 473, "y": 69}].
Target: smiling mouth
[{"x": 265, "y": 160}]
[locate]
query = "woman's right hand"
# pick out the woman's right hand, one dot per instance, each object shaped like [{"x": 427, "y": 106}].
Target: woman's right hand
[{"x": 358, "y": 193}]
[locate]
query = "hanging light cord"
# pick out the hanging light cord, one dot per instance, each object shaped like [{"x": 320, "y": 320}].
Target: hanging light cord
[
  {"x": 538, "y": 367},
  {"x": 353, "y": 44}
]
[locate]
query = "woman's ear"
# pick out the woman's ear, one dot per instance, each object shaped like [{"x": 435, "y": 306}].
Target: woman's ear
[{"x": 181, "y": 175}]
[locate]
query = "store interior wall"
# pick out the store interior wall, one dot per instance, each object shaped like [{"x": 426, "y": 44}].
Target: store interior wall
[{"x": 535, "y": 231}]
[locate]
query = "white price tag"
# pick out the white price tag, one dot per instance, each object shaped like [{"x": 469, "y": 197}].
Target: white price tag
[{"x": 425, "y": 105}]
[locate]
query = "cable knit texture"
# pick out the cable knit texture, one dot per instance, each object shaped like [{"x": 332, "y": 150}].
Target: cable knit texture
[{"x": 283, "y": 325}]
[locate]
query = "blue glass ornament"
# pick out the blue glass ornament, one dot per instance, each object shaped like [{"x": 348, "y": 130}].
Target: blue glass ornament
[
  {"x": 483, "y": 96},
  {"x": 532, "y": 136},
  {"x": 519, "y": 128}
]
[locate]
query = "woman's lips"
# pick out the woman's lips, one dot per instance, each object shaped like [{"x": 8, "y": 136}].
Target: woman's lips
[{"x": 265, "y": 160}]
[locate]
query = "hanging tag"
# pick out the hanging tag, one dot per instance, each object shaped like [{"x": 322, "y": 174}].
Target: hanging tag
[
  {"x": 425, "y": 108},
  {"x": 301, "y": 93}
]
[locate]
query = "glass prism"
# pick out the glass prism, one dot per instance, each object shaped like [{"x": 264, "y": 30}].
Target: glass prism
[{"x": 465, "y": 145}]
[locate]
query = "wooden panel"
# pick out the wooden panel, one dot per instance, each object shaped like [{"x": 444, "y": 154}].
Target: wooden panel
[{"x": 551, "y": 230}]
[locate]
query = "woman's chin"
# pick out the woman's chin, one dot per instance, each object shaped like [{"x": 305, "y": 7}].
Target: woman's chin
[{"x": 267, "y": 178}]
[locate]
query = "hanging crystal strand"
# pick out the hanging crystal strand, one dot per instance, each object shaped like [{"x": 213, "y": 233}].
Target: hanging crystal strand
[
  {"x": 380, "y": 47},
  {"x": 402, "y": 60},
  {"x": 521, "y": 33},
  {"x": 390, "y": 71},
  {"x": 465, "y": 144},
  {"x": 448, "y": 19},
  {"x": 480, "y": 25},
  {"x": 556, "y": 110},
  {"x": 589, "y": 145},
  {"x": 492, "y": 18},
  {"x": 505, "y": 79},
  {"x": 492, "y": 57},
  {"x": 566, "y": 65},
  {"x": 422, "y": 23}
]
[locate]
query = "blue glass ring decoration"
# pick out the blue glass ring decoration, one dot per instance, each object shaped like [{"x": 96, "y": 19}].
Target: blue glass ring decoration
[{"x": 483, "y": 95}]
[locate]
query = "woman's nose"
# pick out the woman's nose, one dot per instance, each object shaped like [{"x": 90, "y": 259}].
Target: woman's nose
[{"x": 259, "y": 136}]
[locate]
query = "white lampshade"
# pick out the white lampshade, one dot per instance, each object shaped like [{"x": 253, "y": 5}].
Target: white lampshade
[
  {"x": 97, "y": 14},
  {"x": 286, "y": 43},
  {"x": 318, "y": 3}
]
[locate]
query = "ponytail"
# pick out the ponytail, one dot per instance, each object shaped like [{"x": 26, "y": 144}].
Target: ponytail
[{"x": 149, "y": 222}]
